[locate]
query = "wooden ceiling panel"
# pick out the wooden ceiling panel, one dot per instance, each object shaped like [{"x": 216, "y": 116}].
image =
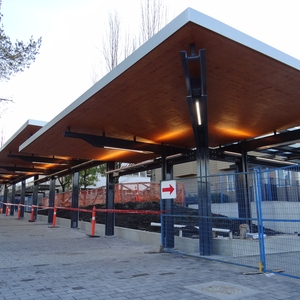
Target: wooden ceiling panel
[{"x": 249, "y": 94}]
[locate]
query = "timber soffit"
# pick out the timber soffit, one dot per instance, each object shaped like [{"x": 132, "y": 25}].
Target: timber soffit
[{"x": 189, "y": 15}]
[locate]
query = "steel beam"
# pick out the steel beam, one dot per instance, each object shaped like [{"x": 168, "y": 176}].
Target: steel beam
[
  {"x": 75, "y": 200},
  {"x": 51, "y": 200},
  {"x": 45, "y": 160},
  {"x": 5, "y": 195},
  {"x": 22, "y": 198},
  {"x": 114, "y": 143},
  {"x": 109, "y": 216},
  {"x": 167, "y": 219},
  {"x": 35, "y": 195},
  {"x": 273, "y": 141},
  {"x": 242, "y": 193},
  {"x": 29, "y": 170},
  {"x": 197, "y": 104},
  {"x": 13, "y": 199}
]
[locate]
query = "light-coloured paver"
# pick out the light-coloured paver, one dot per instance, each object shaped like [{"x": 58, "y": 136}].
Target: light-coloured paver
[{"x": 38, "y": 262}]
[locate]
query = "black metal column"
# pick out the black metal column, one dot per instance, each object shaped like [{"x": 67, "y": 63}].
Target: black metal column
[
  {"x": 167, "y": 222},
  {"x": 5, "y": 195},
  {"x": 13, "y": 199},
  {"x": 75, "y": 200},
  {"x": 109, "y": 216},
  {"x": 197, "y": 103},
  {"x": 242, "y": 193},
  {"x": 51, "y": 200},
  {"x": 22, "y": 198},
  {"x": 35, "y": 195}
]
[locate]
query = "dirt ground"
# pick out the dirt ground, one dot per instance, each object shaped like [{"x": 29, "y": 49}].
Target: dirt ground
[{"x": 142, "y": 221}]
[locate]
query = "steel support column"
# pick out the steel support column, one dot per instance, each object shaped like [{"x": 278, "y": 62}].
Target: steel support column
[
  {"x": 197, "y": 104},
  {"x": 109, "y": 217},
  {"x": 5, "y": 195},
  {"x": 13, "y": 199},
  {"x": 35, "y": 195},
  {"x": 167, "y": 219},
  {"x": 242, "y": 194},
  {"x": 75, "y": 200},
  {"x": 22, "y": 198},
  {"x": 51, "y": 200}
]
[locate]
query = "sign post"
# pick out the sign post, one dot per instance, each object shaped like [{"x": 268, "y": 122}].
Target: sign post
[{"x": 168, "y": 194}]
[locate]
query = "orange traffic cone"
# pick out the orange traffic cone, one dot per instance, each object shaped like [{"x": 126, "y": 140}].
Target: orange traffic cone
[
  {"x": 93, "y": 224},
  {"x": 19, "y": 211},
  {"x": 138, "y": 199},
  {"x": 54, "y": 219},
  {"x": 32, "y": 215}
]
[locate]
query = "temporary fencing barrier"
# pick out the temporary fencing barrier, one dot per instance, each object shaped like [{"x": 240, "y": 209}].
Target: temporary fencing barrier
[
  {"x": 124, "y": 192},
  {"x": 255, "y": 218},
  {"x": 260, "y": 208},
  {"x": 93, "y": 212}
]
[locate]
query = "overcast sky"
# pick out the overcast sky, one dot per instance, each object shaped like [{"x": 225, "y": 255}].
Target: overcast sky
[{"x": 72, "y": 33}]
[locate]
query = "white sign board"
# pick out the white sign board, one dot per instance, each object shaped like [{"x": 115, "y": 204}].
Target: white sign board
[{"x": 168, "y": 189}]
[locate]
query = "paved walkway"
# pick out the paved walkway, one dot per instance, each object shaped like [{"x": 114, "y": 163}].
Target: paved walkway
[{"x": 38, "y": 262}]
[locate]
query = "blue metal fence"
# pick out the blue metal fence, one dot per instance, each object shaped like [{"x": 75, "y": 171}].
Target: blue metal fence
[{"x": 255, "y": 219}]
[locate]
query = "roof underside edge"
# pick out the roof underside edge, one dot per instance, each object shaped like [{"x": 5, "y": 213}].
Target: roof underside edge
[{"x": 189, "y": 15}]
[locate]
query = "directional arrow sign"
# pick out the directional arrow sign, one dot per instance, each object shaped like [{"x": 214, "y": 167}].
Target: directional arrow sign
[{"x": 168, "y": 189}]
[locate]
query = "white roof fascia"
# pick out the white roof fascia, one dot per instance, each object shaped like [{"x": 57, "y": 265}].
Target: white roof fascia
[
  {"x": 189, "y": 15},
  {"x": 27, "y": 123},
  {"x": 138, "y": 54},
  {"x": 242, "y": 38}
]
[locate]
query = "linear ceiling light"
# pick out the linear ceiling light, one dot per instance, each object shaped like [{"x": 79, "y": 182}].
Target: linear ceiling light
[
  {"x": 146, "y": 162},
  {"x": 49, "y": 163},
  {"x": 198, "y": 112},
  {"x": 275, "y": 161},
  {"x": 174, "y": 156},
  {"x": 266, "y": 135},
  {"x": 131, "y": 150},
  {"x": 233, "y": 153}
]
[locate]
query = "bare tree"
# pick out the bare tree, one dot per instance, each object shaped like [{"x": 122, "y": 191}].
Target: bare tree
[
  {"x": 154, "y": 16},
  {"x": 111, "y": 43},
  {"x": 118, "y": 43},
  {"x": 130, "y": 44}
]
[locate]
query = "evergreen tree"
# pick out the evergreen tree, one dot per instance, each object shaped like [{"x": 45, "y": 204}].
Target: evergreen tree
[{"x": 15, "y": 57}]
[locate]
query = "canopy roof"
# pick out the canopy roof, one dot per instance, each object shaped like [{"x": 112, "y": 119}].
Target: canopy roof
[
  {"x": 7, "y": 165},
  {"x": 252, "y": 88}
]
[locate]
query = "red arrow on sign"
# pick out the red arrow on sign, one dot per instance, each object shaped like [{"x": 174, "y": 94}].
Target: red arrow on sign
[{"x": 168, "y": 189}]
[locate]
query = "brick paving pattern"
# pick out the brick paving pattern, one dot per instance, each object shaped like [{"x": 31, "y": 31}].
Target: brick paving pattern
[{"x": 38, "y": 262}]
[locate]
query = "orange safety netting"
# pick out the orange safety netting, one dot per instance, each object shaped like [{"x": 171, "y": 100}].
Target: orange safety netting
[{"x": 124, "y": 192}]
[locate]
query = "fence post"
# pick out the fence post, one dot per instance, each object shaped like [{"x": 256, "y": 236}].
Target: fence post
[{"x": 258, "y": 199}]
